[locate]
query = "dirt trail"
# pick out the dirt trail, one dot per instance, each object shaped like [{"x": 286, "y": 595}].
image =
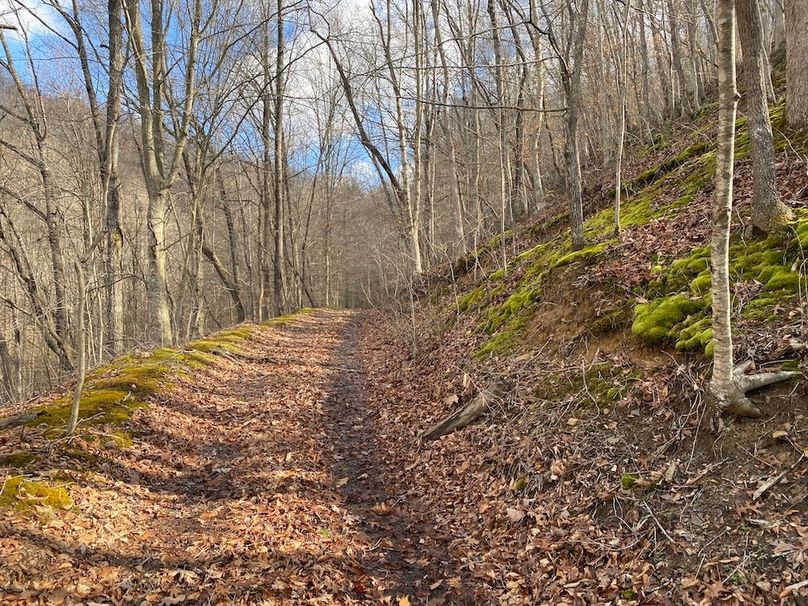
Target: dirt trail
[{"x": 252, "y": 482}]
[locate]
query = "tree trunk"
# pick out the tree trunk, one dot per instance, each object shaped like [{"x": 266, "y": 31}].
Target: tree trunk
[
  {"x": 156, "y": 279},
  {"x": 500, "y": 125},
  {"x": 767, "y": 210},
  {"x": 265, "y": 209},
  {"x": 572, "y": 84},
  {"x": 682, "y": 100},
  {"x": 621, "y": 135},
  {"x": 9, "y": 370},
  {"x": 796, "y": 15},
  {"x": 728, "y": 385},
  {"x": 778, "y": 48},
  {"x": 55, "y": 231},
  {"x": 277, "y": 272},
  {"x": 721, "y": 381},
  {"x": 81, "y": 346},
  {"x": 109, "y": 164}
]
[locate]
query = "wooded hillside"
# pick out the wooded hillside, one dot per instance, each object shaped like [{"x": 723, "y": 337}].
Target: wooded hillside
[{"x": 577, "y": 228}]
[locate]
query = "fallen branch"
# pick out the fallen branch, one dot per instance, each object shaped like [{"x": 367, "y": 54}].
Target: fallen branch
[
  {"x": 468, "y": 414},
  {"x": 773, "y": 480},
  {"x": 19, "y": 419}
]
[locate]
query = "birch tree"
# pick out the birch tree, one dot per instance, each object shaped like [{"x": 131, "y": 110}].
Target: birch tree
[{"x": 728, "y": 385}]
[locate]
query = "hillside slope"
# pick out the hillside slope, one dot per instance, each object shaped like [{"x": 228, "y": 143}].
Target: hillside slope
[
  {"x": 282, "y": 463},
  {"x": 607, "y": 465}
]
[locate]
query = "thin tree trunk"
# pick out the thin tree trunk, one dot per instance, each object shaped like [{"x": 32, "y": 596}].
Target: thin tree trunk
[
  {"x": 720, "y": 383},
  {"x": 81, "y": 341},
  {"x": 278, "y": 186},
  {"x": 10, "y": 371},
  {"x": 621, "y": 135},
  {"x": 796, "y": 16},
  {"x": 572, "y": 154},
  {"x": 114, "y": 245}
]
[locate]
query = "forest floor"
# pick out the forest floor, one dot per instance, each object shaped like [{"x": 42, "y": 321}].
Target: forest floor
[
  {"x": 255, "y": 482},
  {"x": 290, "y": 472},
  {"x": 282, "y": 463}
]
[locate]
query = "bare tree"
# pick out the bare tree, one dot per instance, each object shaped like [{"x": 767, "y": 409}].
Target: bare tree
[
  {"x": 796, "y": 22},
  {"x": 728, "y": 385},
  {"x": 768, "y": 212},
  {"x": 160, "y": 158}
]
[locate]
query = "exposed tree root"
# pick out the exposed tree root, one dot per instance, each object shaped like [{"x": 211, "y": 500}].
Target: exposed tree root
[{"x": 737, "y": 402}]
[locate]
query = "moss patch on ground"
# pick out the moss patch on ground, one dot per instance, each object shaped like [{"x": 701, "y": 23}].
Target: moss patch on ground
[
  {"x": 30, "y": 495},
  {"x": 114, "y": 391},
  {"x": 602, "y": 383},
  {"x": 686, "y": 282},
  {"x": 17, "y": 460},
  {"x": 688, "y": 172},
  {"x": 773, "y": 269}
]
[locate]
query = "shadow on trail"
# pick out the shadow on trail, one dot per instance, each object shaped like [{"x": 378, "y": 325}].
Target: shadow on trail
[{"x": 404, "y": 556}]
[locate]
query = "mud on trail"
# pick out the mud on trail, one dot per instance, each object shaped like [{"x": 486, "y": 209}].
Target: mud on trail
[{"x": 265, "y": 480}]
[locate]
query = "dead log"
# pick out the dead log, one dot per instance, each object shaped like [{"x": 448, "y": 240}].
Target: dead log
[
  {"x": 468, "y": 414},
  {"x": 20, "y": 419}
]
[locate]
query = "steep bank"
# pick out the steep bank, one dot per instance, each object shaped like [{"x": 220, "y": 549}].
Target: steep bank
[{"x": 611, "y": 484}]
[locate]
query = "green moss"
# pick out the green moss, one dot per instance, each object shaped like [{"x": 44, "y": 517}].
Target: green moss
[
  {"x": 607, "y": 382},
  {"x": 782, "y": 278},
  {"x": 97, "y": 407},
  {"x": 627, "y": 480},
  {"x": 700, "y": 285},
  {"x": 513, "y": 306},
  {"x": 216, "y": 345},
  {"x": 696, "y": 335},
  {"x": 603, "y": 382},
  {"x": 239, "y": 332},
  {"x": 114, "y": 391},
  {"x": 542, "y": 228},
  {"x": 629, "y": 594},
  {"x": 17, "y": 460},
  {"x": 609, "y": 320},
  {"x": 653, "y": 321},
  {"x": 468, "y": 300},
  {"x": 790, "y": 365},
  {"x": 510, "y": 316},
  {"x": 25, "y": 495},
  {"x": 654, "y": 173},
  {"x": 504, "y": 340},
  {"x": 586, "y": 255},
  {"x": 680, "y": 309},
  {"x": 497, "y": 275},
  {"x": 121, "y": 439}
]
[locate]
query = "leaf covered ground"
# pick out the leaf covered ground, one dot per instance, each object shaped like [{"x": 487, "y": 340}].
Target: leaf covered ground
[
  {"x": 291, "y": 473},
  {"x": 281, "y": 463}
]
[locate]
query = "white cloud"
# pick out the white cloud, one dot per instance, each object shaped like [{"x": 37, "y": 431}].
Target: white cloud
[
  {"x": 364, "y": 173},
  {"x": 30, "y": 17}
]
